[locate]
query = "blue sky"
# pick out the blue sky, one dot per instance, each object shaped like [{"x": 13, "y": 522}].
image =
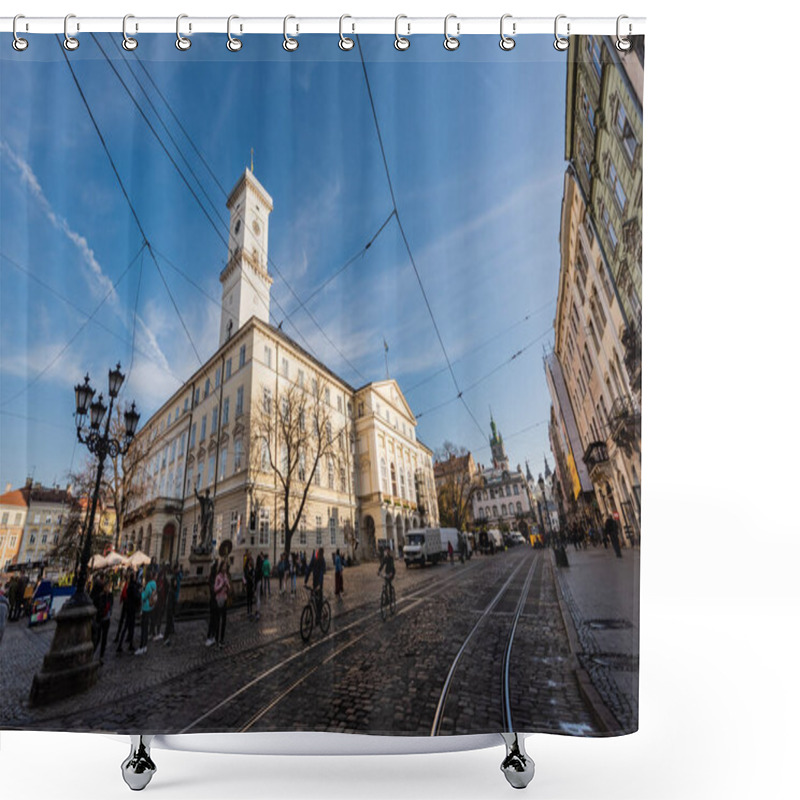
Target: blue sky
[{"x": 474, "y": 141}]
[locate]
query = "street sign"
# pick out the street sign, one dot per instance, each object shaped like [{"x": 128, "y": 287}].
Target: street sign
[{"x": 616, "y": 515}]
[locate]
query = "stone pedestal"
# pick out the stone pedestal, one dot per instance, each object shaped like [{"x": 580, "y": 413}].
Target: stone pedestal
[{"x": 68, "y": 668}]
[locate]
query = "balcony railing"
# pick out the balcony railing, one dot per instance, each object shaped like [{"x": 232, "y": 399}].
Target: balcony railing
[
  {"x": 625, "y": 424},
  {"x": 596, "y": 454}
]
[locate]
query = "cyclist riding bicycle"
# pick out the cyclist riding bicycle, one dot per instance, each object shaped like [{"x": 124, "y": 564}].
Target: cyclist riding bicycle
[{"x": 387, "y": 565}]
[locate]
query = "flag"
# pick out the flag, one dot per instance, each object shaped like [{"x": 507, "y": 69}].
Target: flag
[{"x": 385, "y": 346}]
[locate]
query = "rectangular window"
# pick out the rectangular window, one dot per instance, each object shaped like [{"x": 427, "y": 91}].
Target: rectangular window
[
  {"x": 616, "y": 186},
  {"x": 332, "y": 526},
  {"x": 234, "y": 524},
  {"x": 301, "y": 467},
  {"x": 185, "y": 404},
  {"x": 330, "y": 473},
  {"x": 268, "y": 356},
  {"x": 183, "y": 444},
  {"x": 228, "y": 367},
  {"x": 203, "y": 429},
  {"x": 238, "y": 455},
  {"x": 628, "y": 137},
  {"x": 214, "y": 420},
  {"x": 216, "y": 378},
  {"x": 266, "y": 401},
  {"x": 169, "y": 419},
  {"x": 206, "y": 389},
  {"x": 242, "y": 354},
  {"x": 300, "y": 378},
  {"x": 225, "y": 407},
  {"x": 192, "y": 436},
  {"x": 5, "y": 518},
  {"x": 172, "y": 451},
  {"x": 223, "y": 463},
  {"x": 339, "y": 403},
  {"x": 516, "y": 488},
  {"x": 609, "y": 226},
  {"x": 212, "y": 464},
  {"x": 265, "y": 465},
  {"x": 319, "y": 531},
  {"x": 263, "y": 526},
  {"x": 189, "y": 478},
  {"x": 588, "y": 109},
  {"x": 327, "y": 395},
  {"x": 285, "y": 367},
  {"x": 317, "y": 475},
  {"x": 595, "y": 51},
  {"x": 197, "y": 398},
  {"x": 240, "y": 401},
  {"x": 342, "y": 480},
  {"x": 303, "y": 536}
]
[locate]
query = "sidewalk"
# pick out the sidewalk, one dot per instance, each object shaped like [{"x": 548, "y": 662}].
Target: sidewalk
[
  {"x": 601, "y": 594},
  {"x": 23, "y": 648}
]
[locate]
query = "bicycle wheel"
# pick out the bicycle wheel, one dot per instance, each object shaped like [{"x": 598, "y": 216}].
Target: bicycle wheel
[
  {"x": 384, "y": 604},
  {"x": 392, "y": 600},
  {"x": 306, "y": 622},
  {"x": 325, "y": 616}
]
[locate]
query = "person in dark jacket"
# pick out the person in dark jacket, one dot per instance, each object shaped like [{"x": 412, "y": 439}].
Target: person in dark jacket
[
  {"x": 130, "y": 607},
  {"x": 612, "y": 531},
  {"x": 213, "y": 610},
  {"x": 316, "y": 571},
  {"x": 104, "y": 603}
]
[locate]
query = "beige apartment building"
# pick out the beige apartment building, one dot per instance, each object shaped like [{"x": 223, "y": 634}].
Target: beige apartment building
[
  {"x": 13, "y": 512},
  {"x": 262, "y": 412}
]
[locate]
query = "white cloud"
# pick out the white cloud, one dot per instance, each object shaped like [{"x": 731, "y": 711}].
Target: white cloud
[{"x": 100, "y": 284}]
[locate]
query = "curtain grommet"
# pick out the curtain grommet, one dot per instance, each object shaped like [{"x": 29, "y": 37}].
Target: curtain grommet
[
  {"x": 19, "y": 44},
  {"x": 233, "y": 44},
  {"x": 623, "y": 43},
  {"x": 70, "y": 42},
  {"x": 129, "y": 43},
  {"x": 401, "y": 42},
  {"x": 181, "y": 42},
  {"x": 451, "y": 43},
  {"x": 561, "y": 43},
  {"x": 507, "y": 42},
  {"x": 345, "y": 42}
]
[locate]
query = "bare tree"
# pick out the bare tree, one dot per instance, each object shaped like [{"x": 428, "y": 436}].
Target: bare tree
[
  {"x": 455, "y": 485},
  {"x": 291, "y": 438}
]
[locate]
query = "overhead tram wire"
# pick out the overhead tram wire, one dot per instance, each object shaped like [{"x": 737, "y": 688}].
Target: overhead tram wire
[
  {"x": 480, "y": 346},
  {"x": 172, "y": 160},
  {"x": 135, "y": 312},
  {"x": 405, "y": 238},
  {"x": 77, "y": 333}
]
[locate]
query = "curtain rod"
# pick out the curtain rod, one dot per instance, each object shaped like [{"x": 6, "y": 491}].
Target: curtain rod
[{"x": 405, "y": 26}]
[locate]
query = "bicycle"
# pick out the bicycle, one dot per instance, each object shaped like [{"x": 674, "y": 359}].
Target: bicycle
[
  {"x": 316, "y": 612},
  {"x": 388, "y": 599}
]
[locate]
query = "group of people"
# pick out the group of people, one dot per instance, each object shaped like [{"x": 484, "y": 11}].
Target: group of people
[
  {"x": 18, "y": 594},
  {"x": 153, "y": 590}
]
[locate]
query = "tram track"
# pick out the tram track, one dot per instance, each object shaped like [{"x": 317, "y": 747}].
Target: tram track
[
  {"x": 423, "y": 593},
  {"x": 439, "y": 716}
]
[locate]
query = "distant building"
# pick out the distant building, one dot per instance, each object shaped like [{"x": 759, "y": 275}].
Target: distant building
[
  {"x": 48, "y": 509},
  {"x": 456, "y": 481},
  {"x": 503, "y": 498},
  {"x": 219, "y": 434},
  {"x": 13, "y": 513}
]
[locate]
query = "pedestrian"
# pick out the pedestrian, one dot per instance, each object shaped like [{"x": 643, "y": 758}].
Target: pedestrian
[
  {"x": 130, "y": 606},
  {"x": 612, "y": 531},
  {"x": 222, "y": 593},
  {"x": 4, "y": 614},
  {"x": 149, "y": 600},
  {"x": 161, "y": 603},
  {"x": 104, "y": 603},
  {"x": 213, "y": 611},
  {"x": 266, "y": 569},
  {"x": 294, "y": 565},
  {"x": 13, "y": 593},
  {"x": 259, "y": 575},
  {"x": 171, "y": 604},
  {"x": 338, "y": 570},
  {"x": 450, "y": 552},
  {"x": 281, "y": 569},
  {"x": 249, "y": 578},
  {"x": 303, "y": 564}
]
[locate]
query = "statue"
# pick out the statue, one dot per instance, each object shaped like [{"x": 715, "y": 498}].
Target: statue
[{"x": 206, "y": 522}]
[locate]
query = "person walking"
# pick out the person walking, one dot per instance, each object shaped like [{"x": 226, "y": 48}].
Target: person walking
[
  {"x": 171, "y": 582},
  {"x": 213, "y": 610},
  {"x": 130, "y": 606},
  {"x": 338, "y": 575},
  {"x": 266, "y": 569},
  {"x": 222, "y": 590},
  {"x": 104, "y": 603},
  {"x": 161, "y": 603},
  {"x": 612, "y": 532},
  {"x": 149, "y": 600},
  {"x": 122, "y": 595},
  {"x": 259, "y": 576},
  {"x": 249, "y": 578},
  {"x": 294, "y": 565},
  {"x": 450, "y": 552}
]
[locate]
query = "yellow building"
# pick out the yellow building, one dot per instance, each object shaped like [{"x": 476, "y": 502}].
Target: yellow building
[{"x": 13, "y": 512}]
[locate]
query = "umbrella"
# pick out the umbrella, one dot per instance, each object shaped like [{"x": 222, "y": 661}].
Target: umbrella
[
  {"x": 139, "y": 558},
  {"x": 114, "y": 559},
  {"x": 97, "y": 561}
]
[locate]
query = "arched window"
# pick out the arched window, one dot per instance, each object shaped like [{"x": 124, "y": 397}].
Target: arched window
[
  {"x": 504, "y": 509},
  {"x": 384, "y": 476},
  {"x": 494, "y": 511},
  {"x": 519, "y": 507},
  {"x": 402, "y": 482},
  {"x": 394, "y": 479}
]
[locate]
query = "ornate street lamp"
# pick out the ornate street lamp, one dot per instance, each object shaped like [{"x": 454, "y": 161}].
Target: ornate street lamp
[{"x": 68, "y": 668}]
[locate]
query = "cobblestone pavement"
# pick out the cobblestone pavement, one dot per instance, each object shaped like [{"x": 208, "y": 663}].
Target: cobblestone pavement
[
  {"x": 364, "y": 676},
  {"x": 601, "y": 593}
]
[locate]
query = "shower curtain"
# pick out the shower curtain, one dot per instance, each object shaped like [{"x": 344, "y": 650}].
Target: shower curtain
[{"x": 320, "y": 385}]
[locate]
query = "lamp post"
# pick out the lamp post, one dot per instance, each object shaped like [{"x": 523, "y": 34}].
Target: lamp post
[{"x": 68, "y": 668}]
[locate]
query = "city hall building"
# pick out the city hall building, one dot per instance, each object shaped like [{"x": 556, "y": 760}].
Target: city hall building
[{"x": 221, "y": 434}]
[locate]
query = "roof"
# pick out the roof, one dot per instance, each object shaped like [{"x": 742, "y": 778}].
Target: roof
[
  {"x": 43, "y": 494},
  {"x": 453, "y": 464},
  {"x": 17, "y": 497}
]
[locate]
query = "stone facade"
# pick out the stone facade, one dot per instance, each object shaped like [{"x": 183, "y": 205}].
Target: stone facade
[{"x": 221, "y": 434}]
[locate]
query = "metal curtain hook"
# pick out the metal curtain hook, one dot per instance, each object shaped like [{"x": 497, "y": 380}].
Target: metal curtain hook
[
  {"x": 181, "y": 42},
  {"x": 451, "y": 42},
  {"x": 623, "y": 42},
  {"x": 289, "y": 44},
  {"x": 400, "y": 42},
  {"x": 233, "y": 44},
  {"x": 507, "y": 42},
  {"x": 562, "y": 42},
  {"x": 345, "y": 43},
  {"x": 19, "y": 44},
  {"x": 70, "y": 42},
  {"x": 128, "y": 42}
]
